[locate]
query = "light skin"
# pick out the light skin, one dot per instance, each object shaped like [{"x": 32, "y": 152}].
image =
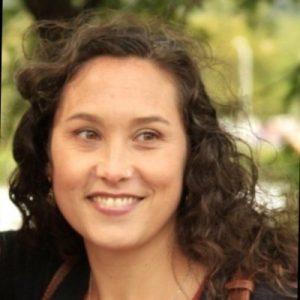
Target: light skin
[{"x": 118, "y": 151}]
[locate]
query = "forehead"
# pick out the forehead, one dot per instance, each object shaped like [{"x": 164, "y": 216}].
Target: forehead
[
  {"x": 131, "y": 80},
  {"x": 110, "y": 67}
]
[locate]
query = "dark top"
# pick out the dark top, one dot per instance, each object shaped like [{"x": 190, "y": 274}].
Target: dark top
[{"x": 24, "y": 274}]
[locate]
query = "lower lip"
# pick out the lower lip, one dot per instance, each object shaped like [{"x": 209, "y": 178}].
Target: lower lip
[{"x": 115, "y": 211}]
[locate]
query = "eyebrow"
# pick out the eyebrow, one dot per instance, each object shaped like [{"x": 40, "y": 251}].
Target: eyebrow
[
  {"x": 150, "y": 119},
  {"x": 137, "y": 121},
  {"x": 85, "y": 116}
]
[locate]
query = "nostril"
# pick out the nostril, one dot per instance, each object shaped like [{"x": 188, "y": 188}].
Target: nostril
[
  {"x": 114, "y": 165},
  {"x": 114, "y": 175}
]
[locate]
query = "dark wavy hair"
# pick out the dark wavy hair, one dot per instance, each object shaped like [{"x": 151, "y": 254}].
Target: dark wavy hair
[{"x": 218, "y": 222}]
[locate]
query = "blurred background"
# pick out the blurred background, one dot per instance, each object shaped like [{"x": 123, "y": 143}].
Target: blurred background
[{"x": 254, "y": 78}]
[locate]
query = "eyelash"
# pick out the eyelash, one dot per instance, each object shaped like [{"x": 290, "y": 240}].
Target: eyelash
[
  {"x": 154, "y": 135},
  {"x": 89, "y": 134},
  {"x": 142, "y": 136}
]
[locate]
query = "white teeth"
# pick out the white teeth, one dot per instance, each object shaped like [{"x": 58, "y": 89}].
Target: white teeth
[{"x": 115, "y": 202}]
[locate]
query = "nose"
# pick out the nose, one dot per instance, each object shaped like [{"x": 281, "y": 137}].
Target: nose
[{"x": 114, "y": 164}]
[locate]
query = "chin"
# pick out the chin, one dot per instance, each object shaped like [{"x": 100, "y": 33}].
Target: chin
[{"x": 113, "y": 245}]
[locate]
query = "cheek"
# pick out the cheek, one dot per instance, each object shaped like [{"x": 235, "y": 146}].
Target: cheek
[
  {"x": 68, "y": 170},
  {"x": 165, "y": 174},
  {"x": 66, "y": 176}
]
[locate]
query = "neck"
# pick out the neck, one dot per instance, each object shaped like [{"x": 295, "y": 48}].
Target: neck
[{"x": 146, "y": 273}]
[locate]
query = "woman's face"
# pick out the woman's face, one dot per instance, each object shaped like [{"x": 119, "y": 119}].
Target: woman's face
[{"x": 118, "y": 151}]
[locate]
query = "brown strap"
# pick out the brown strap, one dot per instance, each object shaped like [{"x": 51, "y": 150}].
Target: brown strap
[
  {"x": 57, "y": 278},
  {"x": 240, "y": 289}
]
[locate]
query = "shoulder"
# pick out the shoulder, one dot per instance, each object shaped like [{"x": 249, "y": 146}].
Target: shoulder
[
  {"x": 8, "y": 248},
  {"x": 264, "y": 292},
  {"x": 24, "y": 272}
]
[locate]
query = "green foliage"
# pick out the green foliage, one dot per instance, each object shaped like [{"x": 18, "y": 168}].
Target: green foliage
[
  {"x": 294, "y": 86},
  {"x": 279, "y": 165},
  {"x": 15, "y": 21}
]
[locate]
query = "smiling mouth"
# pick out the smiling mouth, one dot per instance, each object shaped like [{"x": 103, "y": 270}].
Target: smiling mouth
[
  {"x": 106, "y": 202},
  {"x": 111, "y": 202}
]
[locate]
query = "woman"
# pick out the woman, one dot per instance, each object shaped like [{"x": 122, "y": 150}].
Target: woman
[{"x": 128, "y": 185}]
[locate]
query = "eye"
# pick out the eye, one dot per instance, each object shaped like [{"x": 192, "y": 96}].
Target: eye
[
  {"x": 147, "y": 136},
  {"x": 87, "y": 134}
]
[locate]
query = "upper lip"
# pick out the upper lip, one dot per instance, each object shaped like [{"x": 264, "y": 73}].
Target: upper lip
[{"x": 114, "y": 195}]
